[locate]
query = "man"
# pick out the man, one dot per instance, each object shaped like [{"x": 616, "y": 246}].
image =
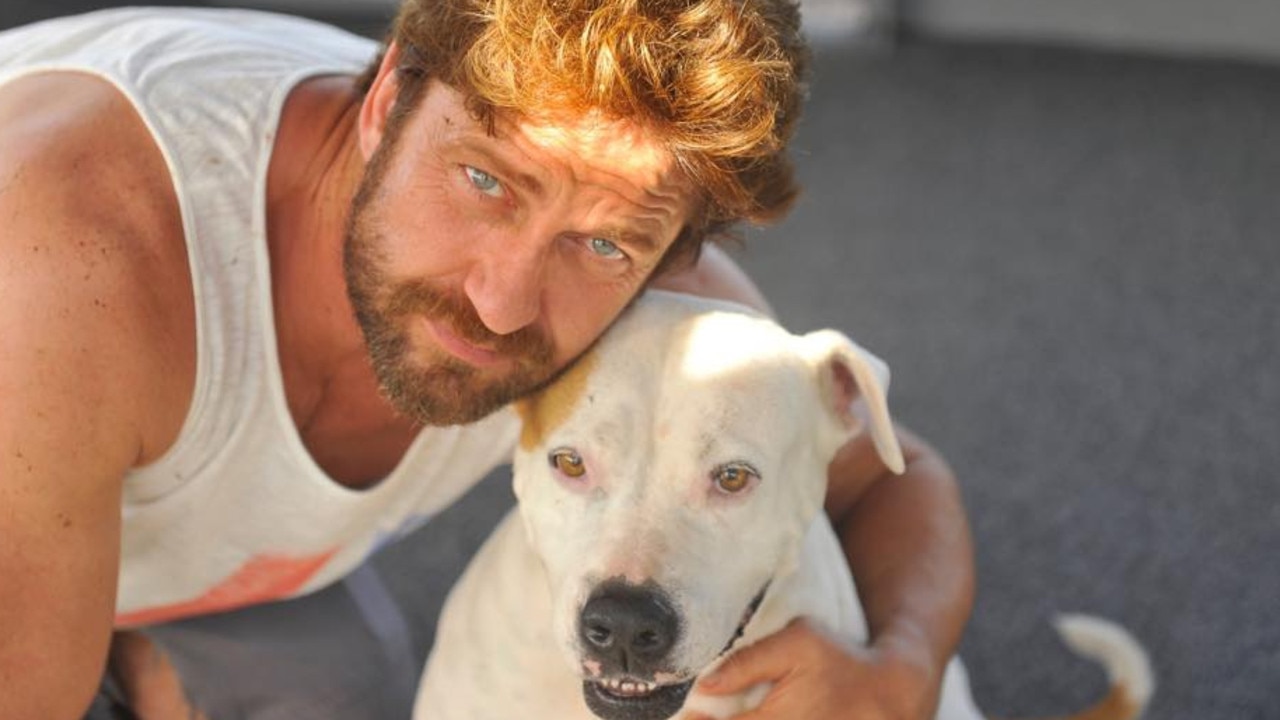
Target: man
[{"x": 261, "y": 314}]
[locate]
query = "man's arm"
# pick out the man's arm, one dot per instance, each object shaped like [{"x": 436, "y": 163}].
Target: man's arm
[
  {"x": 85, "y": 363},
  {"x": 61, "y": 462},
  {"x": 908, "y": 543}
]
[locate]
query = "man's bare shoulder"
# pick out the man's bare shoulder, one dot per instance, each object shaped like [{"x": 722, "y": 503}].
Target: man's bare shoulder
[
  {"x": 74, "y": 144},
  {"x": 92, "y": 258}
]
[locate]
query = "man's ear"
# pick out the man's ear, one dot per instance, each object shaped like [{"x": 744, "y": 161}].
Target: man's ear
[
  {"x": 851, "y": 378},
  {"x": 379, "y": 101}
]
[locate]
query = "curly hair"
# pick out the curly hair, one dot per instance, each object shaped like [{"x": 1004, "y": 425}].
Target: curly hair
[{"x": 720, "y": 83}]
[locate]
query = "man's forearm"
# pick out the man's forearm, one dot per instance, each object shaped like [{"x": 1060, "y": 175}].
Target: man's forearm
[{"x": 908, "y": 542}]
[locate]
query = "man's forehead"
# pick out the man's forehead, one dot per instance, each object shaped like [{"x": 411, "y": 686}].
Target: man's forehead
[
  {"x": 620, "y": 155},
  {"x": 625, "y": 146},
  {"x": 586, "y": 138}
]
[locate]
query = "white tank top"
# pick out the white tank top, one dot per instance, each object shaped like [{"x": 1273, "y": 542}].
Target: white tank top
[{"x": 237, "y": 512}]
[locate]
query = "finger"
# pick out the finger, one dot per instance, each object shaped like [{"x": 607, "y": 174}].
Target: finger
[
  {"x": 759, "y": 713},
  {"x": 766, "y": 660}
]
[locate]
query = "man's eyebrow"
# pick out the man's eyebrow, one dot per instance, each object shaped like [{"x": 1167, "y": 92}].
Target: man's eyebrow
[
  {"x": 630, "y": 234},
  {"x": 643, "y": 241},
  {"x": 501, "y": 167}
]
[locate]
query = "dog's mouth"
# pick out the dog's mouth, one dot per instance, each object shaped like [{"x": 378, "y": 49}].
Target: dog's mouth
[{"x": 636, "y": 699}]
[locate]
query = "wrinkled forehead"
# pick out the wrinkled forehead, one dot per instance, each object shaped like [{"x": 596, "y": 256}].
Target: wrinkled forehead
[{"x": 591, "y": 138}]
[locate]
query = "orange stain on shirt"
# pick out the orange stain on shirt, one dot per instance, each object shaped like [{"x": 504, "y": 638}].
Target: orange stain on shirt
[{"x": 262, "y": 579}]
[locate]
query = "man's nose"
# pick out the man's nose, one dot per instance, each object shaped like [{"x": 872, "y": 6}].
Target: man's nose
[{"x": 505, "y": 284}]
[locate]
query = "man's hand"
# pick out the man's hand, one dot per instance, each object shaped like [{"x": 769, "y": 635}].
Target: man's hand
[
  {"x": 816, "y": 676},
  {"x": 150, "y": 681}
]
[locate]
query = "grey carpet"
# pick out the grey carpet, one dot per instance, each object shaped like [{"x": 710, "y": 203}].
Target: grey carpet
[{"x": 1069, "y": 259}]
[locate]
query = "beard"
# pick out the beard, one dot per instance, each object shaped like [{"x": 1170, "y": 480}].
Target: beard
[{"x": 440, "y": 390}]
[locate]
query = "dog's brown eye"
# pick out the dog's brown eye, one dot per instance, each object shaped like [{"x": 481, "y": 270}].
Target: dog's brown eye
[
  {"x": 733, "y": 478},
  {"x": 568, "y": 462}
]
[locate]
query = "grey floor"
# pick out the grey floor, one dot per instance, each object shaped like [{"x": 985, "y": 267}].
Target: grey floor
[{"x": 1070, "y": 260}]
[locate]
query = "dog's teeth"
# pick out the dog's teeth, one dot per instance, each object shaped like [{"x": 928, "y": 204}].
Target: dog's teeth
[{"x": 629, "y": 688}]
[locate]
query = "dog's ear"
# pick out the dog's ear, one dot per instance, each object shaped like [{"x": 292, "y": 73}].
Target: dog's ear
[{"x": 847, "y": 374}]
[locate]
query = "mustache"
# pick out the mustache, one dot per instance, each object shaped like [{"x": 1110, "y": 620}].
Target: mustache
[{"x": 420, "y": 298}]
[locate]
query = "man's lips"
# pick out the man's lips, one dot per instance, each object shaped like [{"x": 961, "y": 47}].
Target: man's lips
[{"x": 460, "y": 347}]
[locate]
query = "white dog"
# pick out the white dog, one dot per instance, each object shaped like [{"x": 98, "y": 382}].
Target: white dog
[{"x": 670, "y": 493}]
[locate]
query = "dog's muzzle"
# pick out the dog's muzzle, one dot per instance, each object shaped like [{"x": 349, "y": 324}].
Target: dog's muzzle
[{"x": 628, "y": 631}]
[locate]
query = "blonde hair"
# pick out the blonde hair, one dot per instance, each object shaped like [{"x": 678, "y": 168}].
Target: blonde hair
[{"x": 719, "y": 82}]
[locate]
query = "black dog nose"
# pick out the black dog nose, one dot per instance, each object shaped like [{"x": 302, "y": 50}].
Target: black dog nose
[{"x": 628, "y": 628}]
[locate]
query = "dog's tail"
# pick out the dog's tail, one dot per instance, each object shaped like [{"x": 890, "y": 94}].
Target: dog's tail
[{"x": 1128, "y": 669}]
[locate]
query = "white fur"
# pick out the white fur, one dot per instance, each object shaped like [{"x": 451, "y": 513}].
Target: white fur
[
  {"x": 678, "y": 387},
  {"x": 1114, "y": 648}
]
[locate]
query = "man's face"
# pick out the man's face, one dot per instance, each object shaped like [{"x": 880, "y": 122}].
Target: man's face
[{"x": 480, "y": 264}]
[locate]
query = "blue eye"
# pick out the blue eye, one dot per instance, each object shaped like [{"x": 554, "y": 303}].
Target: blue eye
[
  {"x": 483, "y": 181},
  {"x": 605, "y": 248}
]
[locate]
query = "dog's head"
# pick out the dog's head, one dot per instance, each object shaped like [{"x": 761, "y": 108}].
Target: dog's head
[{"x": 671, "y": 475}]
